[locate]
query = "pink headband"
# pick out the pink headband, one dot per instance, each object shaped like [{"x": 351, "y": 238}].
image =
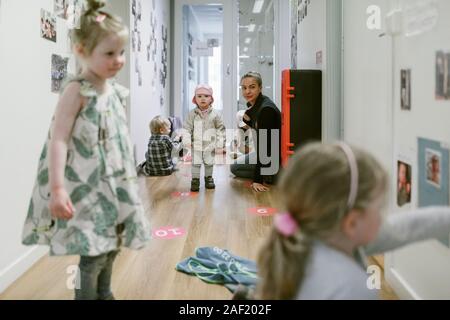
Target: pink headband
[
  {"x": 285, "y": 224},
  {"x": 354, "y": 175},
  {"x": 100, "y": 18}
]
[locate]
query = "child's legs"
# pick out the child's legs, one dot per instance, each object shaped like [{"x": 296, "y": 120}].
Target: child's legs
[
  {"x": 209, "y": 171},
  {"x": 196, "y": 168},
  {"x": 90, "y": 269},
  {"x": 104, "y": 278}
]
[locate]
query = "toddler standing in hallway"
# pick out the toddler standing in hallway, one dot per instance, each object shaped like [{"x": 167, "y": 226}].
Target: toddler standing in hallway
[
  {"x": 334, "y": 195},
  {"x": 85, "y": 201},
  {"x": 205, "y": 135}
]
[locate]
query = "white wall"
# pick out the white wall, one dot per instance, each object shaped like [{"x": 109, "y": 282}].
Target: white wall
[
  {"x": 373, "y": 120},
  {"x": 424, "y": 268},
  {"x": 145, "y": 99},
  {"x": 122, "y": 9},
  {"x": 27, "y": 106},
  {"x": 319, "y": 32},
  {"x": 367, "y": 82},
  {"x": 312, "y": 36}
]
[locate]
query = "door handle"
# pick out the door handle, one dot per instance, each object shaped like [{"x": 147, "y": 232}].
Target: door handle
[{"x": 228, "y": 70}]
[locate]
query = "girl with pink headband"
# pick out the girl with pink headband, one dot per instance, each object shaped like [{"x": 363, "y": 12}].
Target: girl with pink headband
[{"x": 334, "y": 195}]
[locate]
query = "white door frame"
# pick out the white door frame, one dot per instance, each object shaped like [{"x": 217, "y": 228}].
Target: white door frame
[{"x": 229, "y": 55}]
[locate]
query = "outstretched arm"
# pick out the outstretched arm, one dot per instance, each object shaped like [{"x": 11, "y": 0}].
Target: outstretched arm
[
  {"x": 68, "y": 107},
  {"x": 407, "y": 228}
]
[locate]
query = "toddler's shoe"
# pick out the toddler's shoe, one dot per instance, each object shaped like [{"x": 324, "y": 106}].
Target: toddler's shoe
[
  {"x": 195, "y": 185},
  {"x": 209, "y": 183}
]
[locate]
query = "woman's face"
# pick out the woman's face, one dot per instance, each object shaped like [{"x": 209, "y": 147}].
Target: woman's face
[{"x": 250, "y": 90}]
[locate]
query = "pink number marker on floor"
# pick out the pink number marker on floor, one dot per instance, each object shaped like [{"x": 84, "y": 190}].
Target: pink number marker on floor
[
  {"x": 184, "y": 195},
  {"x": 262, "y": 211},
  {"x": 168, "y": 233}
]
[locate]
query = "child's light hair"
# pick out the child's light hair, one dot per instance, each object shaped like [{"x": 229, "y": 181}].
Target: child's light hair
[
  {"x": 158, "y": 123},
  {"x": 95, "y": 25},
  {"x": 315, "y": 189}
]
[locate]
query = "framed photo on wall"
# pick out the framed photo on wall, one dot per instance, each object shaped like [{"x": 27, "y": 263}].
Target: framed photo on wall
[
  {"x": 405, "y": 91},
  {"x": 48, "y": 25},
  {"x": 404, "y": 184},
  {"x": 442, "y": 75}
]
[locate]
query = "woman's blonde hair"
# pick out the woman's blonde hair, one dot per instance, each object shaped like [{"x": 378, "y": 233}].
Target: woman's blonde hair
[
  {"x": 159, "y": 123},
  {"x": 255, "y": 75},
  {"x": 95, "y": 25},
  {"x": 315, "y": 189}
]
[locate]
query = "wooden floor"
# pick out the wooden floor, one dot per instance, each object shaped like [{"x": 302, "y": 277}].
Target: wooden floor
[{"x": 213, "y": 218}]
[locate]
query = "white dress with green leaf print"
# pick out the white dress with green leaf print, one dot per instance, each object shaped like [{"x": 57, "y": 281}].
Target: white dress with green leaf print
[{"x": 100, "y": 177}]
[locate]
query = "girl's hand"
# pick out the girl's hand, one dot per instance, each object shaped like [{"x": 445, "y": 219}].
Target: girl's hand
[
  {"x": 259, "y": 187},
  {"x": 221, "y": 151},
  {"x": 60, "y": 205}
]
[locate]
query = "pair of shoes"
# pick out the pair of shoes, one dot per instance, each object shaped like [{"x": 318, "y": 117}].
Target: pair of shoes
[
  {"x": 195, "y": 185},
  {"x": 209, "y": 183}
]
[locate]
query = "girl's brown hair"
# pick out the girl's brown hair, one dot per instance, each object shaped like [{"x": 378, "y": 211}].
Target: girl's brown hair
[
  {"x": 96, "y": 25},
  {"x": 315, "y": 189}
]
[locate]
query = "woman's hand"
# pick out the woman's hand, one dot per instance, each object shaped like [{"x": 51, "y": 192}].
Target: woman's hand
[
  {"x": 259, "y": 187},
  {"x": 61, "y": 206}
]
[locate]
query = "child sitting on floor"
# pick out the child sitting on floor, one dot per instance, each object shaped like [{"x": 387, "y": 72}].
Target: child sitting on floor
[{"x": 161, "y": 149}]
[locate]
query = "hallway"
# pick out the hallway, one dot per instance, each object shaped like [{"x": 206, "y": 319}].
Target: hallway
[
  {"x": 380, "y": 81},
  {"x": 213, "y": 218}
]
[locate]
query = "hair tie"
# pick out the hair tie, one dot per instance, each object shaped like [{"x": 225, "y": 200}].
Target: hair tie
[
  {"x": 354, "y": 175},
  {"x": 286, "y": 224},
  {"x": 100, "y": 18}
]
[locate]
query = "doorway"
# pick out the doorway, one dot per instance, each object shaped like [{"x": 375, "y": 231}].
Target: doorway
[{"x": 218, "y": 41}]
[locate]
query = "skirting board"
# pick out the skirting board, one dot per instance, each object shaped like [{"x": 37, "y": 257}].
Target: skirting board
[
  {"x": 10, "y": 274},
  {"x": 400, "y": 286}
]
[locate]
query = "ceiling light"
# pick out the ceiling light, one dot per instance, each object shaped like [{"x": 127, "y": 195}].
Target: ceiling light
[
  {"x": 245, "y": 49},
  {"x": 248, "y": 40},
  {"x": 257, "y": 8},
  {"x": 251, "y": 27}
]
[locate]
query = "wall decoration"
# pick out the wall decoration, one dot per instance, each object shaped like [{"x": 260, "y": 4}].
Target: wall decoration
[
  {"x": 433, "y": 161},
  {"x": 59, "y": 71},
  {"x": 139, "y": 42},
  {"x": 201, "y": 49},
  {"x": 294, "y": 33},
  {"x": 433, "y": 173},
  {"x": 442, "y": 75},
  {"x": 191, "y": 75},
  {"x": 405, "y": 91},
  {"x": 404, "y": 183},
  {"x": 153, "y": 44},
  {"x": 74, "y": 11},
  {"x": 61, "y": 8},
  {"x": 303, "y": 9},
  {"x": 213, "y": 43},
  {"x": 164, "y": 56},
  {"x": 48, "y": 25}
]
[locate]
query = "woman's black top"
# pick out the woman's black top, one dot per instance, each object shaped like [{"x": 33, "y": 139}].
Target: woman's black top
[{"x": 265, "y": 115}]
